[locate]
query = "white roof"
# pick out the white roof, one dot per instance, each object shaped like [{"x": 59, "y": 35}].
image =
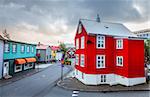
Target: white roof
[{"x": 105, "y": 28}]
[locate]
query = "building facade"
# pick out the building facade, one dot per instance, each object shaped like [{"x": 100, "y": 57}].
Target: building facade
[
  {"x": 143, "y": 33},
  {"x": 43, "y": 53},
  {"x": 1, "y": 56},
  {"x": 108, "y": 53},
  {"x": 18, "y": 56}
]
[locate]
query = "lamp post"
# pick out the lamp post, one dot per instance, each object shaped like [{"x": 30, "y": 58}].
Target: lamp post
[{"x": 62, "y": 65}]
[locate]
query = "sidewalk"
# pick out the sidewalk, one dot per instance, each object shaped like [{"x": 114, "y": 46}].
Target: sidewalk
[
  {"x": 21, "y": 75},
  {"x": 73, "y": 84}
]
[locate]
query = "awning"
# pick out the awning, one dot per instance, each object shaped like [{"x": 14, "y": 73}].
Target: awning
[
  {"x": 30, "y": 60},
  {"x": 20, "y": 61}
]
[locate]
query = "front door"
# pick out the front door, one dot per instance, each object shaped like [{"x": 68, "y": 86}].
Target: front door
[{"x": 6, "y": 69}]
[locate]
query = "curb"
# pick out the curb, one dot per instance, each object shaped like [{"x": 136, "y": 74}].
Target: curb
[{"x": 103, "y": 91}]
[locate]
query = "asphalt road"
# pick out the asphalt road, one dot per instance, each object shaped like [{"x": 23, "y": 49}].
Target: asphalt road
[
  {"x": 42, "y": 84},
  {"x": 59, "y": 92},
  {"x": 34, "y": 85}
]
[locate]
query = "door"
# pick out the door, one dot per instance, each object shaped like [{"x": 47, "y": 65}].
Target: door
[{"x": 6, "y": 69}]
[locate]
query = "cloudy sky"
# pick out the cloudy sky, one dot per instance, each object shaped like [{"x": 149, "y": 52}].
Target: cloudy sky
[{"x": 50, "y": 21}]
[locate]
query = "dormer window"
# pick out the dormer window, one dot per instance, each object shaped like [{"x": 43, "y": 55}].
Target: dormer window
[
  {"x": 80, "y": 29},
  {"x": 100, "y": 41}
]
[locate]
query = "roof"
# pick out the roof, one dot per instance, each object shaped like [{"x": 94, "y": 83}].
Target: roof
[
  {"x": 55, "y": 48},
  {"x": 142, "y": 31},
  {"x": 43, "y": 47},
  {"x": 1, "y": 38},
  {"x": 106, "y": 28}
]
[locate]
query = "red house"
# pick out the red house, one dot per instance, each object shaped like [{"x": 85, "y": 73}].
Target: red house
[{"x": 108, "y": 53}]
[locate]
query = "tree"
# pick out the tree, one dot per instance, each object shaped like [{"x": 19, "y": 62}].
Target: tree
[
  {"x": 63, "y": 47},
  {"x": 147, "y": 51}
]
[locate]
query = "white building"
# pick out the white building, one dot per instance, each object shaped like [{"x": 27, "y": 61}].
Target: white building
[{"x": 143, "y": 33}]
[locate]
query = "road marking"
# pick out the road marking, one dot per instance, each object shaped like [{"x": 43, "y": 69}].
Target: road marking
[{"x": 75, "y": 93}]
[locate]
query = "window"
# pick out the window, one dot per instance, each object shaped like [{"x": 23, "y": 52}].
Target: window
[
  {"x": 119, "y": 60},
  {"x": 22, "y": 48},
  {"x": 82, "y": 60},
  {"x": 18, "y": 68},
  {"x": 119, "y": 44},
  {"x": 32, "y": 49},
  {"x": 28, "y": 49},
  {"x": 77, "y": 43},
  {"x": 77, "y": 59},
  {"x": 6, "y": 47},
  {"x": 82, "y": 42},
  {"x": 26, "y": 66},
  {"x": 103, "y": 78},
  {"x": 100, "y": 61},
  {"x": 14, "y": 48},
  {"x": 82, "y": 75},
  {"x": 76, "y": 72},
  {"x": 100, "y": 41},
  {"x": 80, "y": 29}
]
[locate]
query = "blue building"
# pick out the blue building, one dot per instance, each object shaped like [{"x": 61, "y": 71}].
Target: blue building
[
  {"x": 18, "y": 56},
  {"x": 1, "y": 55}
]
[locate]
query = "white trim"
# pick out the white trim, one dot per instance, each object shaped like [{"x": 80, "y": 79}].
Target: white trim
[
  {"x": 18, "y": 65},
  {"x": 119, "y": 43},
  {"x": 82, "y": 42},
  {"x": 102, "y": 60},
  {"x": 82, "y": 60},
  {"x": 99, "y": 41},
  {"x": 111, "y": 79},
  {"x": 118, "y": 64}
]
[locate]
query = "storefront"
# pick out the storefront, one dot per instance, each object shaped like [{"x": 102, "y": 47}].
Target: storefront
[
  {"x": 30, "y": 63},
  {"x": 18, "y": 66}
]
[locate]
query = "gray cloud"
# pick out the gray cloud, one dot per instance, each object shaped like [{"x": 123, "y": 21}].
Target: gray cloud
[{"x": 58, "y": 18}]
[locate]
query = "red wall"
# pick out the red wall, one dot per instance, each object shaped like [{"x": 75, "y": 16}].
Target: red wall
[{"x": 136, "y": 58}]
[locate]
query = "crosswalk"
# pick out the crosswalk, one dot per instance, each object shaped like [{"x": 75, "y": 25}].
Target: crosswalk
[{"x": 75, "y": 93}]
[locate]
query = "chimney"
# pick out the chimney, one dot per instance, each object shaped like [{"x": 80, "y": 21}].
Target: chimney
[
  {"x": 98, "y": 18},
  {"x": 39, "y": 44}
]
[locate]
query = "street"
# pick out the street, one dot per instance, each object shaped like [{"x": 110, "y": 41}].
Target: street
[
  {"x": 58, "y": 92},
  {"x": 43, "y": 84},
  {"x": 33, "y": 85}
]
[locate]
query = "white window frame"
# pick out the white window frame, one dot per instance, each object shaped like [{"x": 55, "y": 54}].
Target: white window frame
[
  {"x": 22, "y": 48},
  {"x": 82, "y": 60},
  {"x": 82, "y": 42},
  {"x": 97, "y": 60},
  {"x": 32, "y": 49},
  {"x": 14, "y": 48},
  {"x": 6, "y": 47},
  {"x": 77, "y": 43},
  {"x": 118, "y": 62},
  {"x": 18, "y": 65},
  {"x": 119, "y": 43},
  {"x": 77, "y": 59},
  {"x": 99, "y": 40},
  {"x": 28, "y": 49}
]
